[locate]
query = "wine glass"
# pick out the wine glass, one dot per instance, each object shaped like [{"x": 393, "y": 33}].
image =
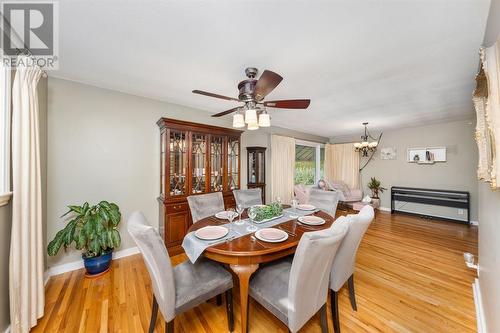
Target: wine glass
[
  {"x": 252, "y": 213},
  {"x": 239, "y": 209},
  {"x": 294, "y": 214},
  {"x": 231, "y": 214}
]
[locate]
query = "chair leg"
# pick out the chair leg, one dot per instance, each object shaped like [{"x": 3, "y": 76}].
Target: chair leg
[
  {"x": 169, "y": 327},
  {"x": 324, "y": 321},
  {"x": 335, "y": 311},
  {"x": 352, "y": 295},
  {"x": 248, "y": 314},
  {"x": 229, "y": 310},
  {"x": 154, "y": 314},
  {"x": 219, "y": 300}
]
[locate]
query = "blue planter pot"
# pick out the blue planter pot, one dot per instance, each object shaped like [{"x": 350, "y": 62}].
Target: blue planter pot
[{"x": 98, "y": 265}]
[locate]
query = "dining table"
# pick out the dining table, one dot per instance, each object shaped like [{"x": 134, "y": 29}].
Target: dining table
[{"x": 244, "y": 254}]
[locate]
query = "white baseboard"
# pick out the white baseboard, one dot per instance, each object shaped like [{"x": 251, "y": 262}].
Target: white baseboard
[
  {"x": 478, "y": 302},
  {"x": 384, "y": 209},
  {"x": 476, "y": 223},
  {"x": 72, "y": 266}
]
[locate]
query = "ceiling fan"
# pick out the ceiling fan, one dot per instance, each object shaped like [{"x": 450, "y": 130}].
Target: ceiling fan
[{"x": 252, "y": 93}]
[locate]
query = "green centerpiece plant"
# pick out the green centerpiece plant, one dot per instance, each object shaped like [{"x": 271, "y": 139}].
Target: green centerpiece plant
[{"x": 267, "y": 212}]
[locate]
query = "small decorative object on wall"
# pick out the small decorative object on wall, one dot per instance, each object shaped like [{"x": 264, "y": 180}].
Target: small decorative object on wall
[
  {"x": 93, "y": 230},
  {"x": 427, "y": 155},
  {"x": 388, "y": 153},
  {"x": 486, "y": 100}
]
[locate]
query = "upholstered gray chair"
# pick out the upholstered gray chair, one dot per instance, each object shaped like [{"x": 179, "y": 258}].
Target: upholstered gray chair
[
  {"x": 205, "y": 205},
  {"x": 248, "y": 198},
  {"x": 295, "y": 291},
  {"x": 177, "y": 289},
  {"x": 344, "y": 261},
  {"x": 325, "y": 200}
]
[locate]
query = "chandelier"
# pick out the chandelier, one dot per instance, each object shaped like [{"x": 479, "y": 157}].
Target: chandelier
[
  {"x": 365, "y": 146},
  {"x": 253, "y": 116}
]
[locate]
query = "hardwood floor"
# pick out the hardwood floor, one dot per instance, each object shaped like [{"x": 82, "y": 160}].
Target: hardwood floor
[{"x": 410, "y": 277}]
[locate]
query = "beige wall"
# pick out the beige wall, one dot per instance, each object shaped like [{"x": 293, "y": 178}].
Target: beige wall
[
  {"x": 104, "y": 144},
  {"x": 489, "y": 219},
  {"x": 457, "y": 173}
]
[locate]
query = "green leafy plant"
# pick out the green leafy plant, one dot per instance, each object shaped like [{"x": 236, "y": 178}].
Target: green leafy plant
[
  {"x": 92, "y": 229},
  {"x": 268, "y": 211},
  {"x": 376, "y": 188}
]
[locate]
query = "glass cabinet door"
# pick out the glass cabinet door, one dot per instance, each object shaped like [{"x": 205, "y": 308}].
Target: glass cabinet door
[
  {"x": 233, "y": 156},
  {"x": 198, "y": 160},
  {"x": 163, "y": 152},
  {"x": 177, "y": 163},
  {"x": 216, "y": 160},
  {"x": 261, "y": 167}
]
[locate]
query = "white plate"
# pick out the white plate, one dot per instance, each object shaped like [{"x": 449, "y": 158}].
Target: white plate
[
  {"x": 225, "y": 214},
  {"x": 312, "y": 220},
  {"x": 306, "y": 207},
  {"x": 211, "y": 232},
  {"x": 259, "y": 236}
]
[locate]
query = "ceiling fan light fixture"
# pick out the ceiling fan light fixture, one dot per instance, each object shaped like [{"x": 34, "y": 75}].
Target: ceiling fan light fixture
[
  {"x": 251, "y": 116},
  {"x": 264, "y": 119},
  {"x": 238, "y": 120}
]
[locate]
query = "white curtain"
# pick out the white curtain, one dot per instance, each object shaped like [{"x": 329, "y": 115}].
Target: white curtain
[
  {"x": 282, "y": 168},
  {"x": 490, "y": 58},
  {"x": 26, "y": 247},
  {"x": 342, "y": 163}
]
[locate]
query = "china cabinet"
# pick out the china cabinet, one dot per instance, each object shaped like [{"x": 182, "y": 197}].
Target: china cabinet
[
  {"x": 256, "y": 169},
  {"x": 195, "y": 159}
]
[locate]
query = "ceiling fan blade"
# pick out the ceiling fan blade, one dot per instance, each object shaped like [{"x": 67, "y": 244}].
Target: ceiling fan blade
[
  {"x": 289, "y": 104},
  {"x": 226, "y": 112},
  {"x": 266, "y": 83},
  {"x": 215, "y": 95}
]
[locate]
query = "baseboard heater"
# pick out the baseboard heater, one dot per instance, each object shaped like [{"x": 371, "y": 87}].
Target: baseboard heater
[{"x": 422, "y": 196}]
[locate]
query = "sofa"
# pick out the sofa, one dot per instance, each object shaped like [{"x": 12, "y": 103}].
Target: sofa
[{"x": 346, "y": 194}]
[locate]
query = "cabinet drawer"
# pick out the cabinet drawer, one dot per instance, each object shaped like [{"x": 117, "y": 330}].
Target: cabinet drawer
[{"x": 177, "y": 207}]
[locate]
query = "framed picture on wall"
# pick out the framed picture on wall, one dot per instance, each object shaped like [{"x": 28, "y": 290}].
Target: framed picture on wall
[{"x": 388, "y": 153}]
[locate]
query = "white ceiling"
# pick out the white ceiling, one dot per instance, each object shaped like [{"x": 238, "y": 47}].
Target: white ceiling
[{"x": 392, "y": 63}]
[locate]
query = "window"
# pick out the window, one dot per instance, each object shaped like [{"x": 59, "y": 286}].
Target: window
[
  {"x": 4, "y": 134},
  {"x": 309, "y": 162}
]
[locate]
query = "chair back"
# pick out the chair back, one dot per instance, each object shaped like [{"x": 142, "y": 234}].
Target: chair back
[
  {"x": 248, "y": 198},
  {"x": 157, "y": 262},
  {"x": 310, "y": 272},
  {"x": 325, "y": 200},
  {"x": 344, "y": 261},
  {"x": 205, "y": 205},
  {"x": 302, "y": 193}
]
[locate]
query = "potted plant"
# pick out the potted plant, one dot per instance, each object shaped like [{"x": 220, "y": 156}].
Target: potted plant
[
  {"x": 376, "y": 188},
  {"x": 93, "y": 230}
]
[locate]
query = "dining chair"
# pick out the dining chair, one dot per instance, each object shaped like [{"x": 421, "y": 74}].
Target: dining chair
[
  {"x": 248, "y": 198},
  {"x": 185, "y": 286},
  {"x": 325, "y": 200},
  {"x": 344, "y": 260},
  {"x": 204, "y": 205},
  {"x": 295, "y": 291}
]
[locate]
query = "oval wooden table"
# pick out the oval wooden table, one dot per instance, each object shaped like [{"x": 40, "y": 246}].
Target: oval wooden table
[{"x": 244, "y": 254}]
